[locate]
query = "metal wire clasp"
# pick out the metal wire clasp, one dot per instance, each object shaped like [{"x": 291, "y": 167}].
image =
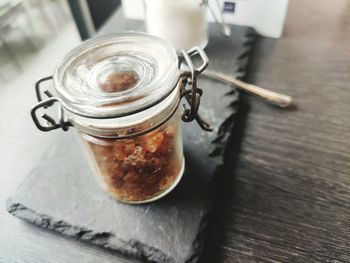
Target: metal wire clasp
[
  {"x": 189, "y": 90},
  {"x": 193, "y": 93},
  {"x": 50, "y": 124}
]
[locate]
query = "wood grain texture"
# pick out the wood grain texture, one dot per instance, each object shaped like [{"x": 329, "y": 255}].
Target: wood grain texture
[
  {"x": 286, "y": 196},
  {"x": 287, "y": 189}
]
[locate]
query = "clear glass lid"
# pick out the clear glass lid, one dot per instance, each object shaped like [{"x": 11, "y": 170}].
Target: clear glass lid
[{"x": 116, "y": 75}]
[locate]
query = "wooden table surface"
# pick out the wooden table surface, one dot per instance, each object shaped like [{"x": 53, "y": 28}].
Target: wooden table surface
[{"x": 287, "y": 189}]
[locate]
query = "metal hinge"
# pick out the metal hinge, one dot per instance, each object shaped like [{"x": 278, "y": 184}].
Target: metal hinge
[
  {"x": 193, "y": 93},
  {"x": 50, "y": 123}
]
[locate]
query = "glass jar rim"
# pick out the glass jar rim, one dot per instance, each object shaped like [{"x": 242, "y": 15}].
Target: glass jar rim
[
  {"x": 78, "y": 76},
  {"x": 130, "y": 126}
]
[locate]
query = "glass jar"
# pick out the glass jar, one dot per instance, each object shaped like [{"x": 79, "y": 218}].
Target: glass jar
[{"x": 121, "y": 94}]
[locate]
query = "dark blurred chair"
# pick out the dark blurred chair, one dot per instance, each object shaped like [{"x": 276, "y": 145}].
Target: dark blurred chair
[{"x": 89, "y": 15}]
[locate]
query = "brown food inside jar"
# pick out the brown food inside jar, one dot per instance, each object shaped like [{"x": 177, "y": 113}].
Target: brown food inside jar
[
  {"x": 136, "y": 170},
  {"x": 119, "y": 81}
]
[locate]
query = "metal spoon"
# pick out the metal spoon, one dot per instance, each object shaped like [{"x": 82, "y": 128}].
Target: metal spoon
[{"x": 277, "y": 99}]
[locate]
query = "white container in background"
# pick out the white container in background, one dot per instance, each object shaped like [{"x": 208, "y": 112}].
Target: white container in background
[
  {"x": 182, "y": 23},
  {"x": 266, "y": 16}
]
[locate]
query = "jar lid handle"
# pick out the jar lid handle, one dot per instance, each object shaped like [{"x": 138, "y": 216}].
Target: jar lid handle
[
  {"x": 51, "y": 124},
  {"x": 194, "y": 93}
]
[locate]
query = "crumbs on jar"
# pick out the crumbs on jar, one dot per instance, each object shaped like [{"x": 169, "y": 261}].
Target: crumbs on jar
[
  {"x": 141, "y": 168},
  {"x": 119, "y": 81}
]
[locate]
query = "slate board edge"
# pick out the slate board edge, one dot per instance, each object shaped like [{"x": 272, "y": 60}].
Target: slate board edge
[
  {"x": 131, "y": 248},
  {"x": 134, "y": 248},
  {"x": 220, "y": 146}
]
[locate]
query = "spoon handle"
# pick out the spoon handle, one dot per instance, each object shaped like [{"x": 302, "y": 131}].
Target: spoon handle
[{"x": 277, "y": 99}]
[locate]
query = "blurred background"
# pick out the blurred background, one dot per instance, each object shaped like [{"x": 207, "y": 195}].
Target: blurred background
[{"x": 34, "y": 36}]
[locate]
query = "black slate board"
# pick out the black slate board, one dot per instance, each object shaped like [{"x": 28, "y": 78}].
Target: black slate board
[{"x": 61, "y": 194}]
